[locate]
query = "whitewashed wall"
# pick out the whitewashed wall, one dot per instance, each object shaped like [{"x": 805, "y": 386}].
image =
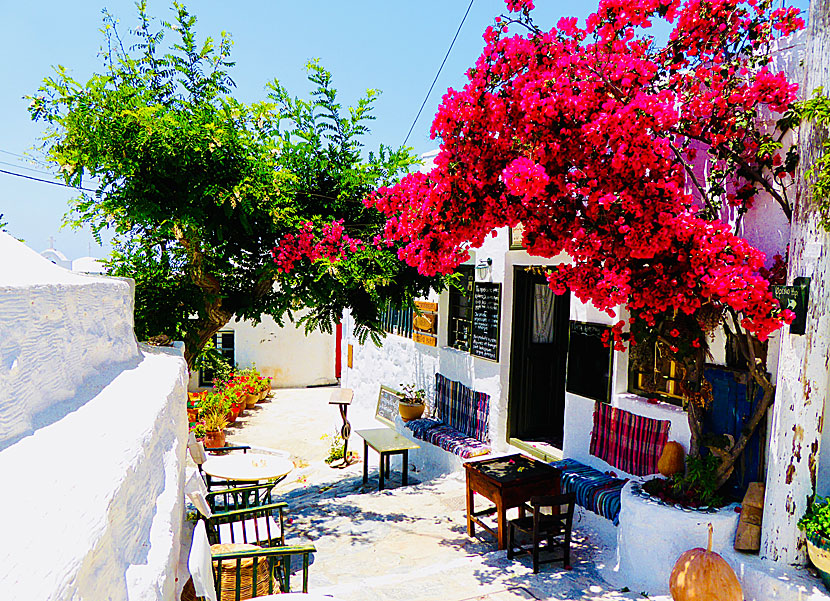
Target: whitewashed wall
[
  {"x": 91, "y": 439},
  {"x": 287, "y": 354}
]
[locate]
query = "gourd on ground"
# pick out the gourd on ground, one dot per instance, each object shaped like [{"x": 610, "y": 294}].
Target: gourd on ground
[{"x": 703, "y": 575}]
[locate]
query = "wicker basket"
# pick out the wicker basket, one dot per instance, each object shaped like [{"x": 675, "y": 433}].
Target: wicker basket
[{"x": 246, "y": 573}]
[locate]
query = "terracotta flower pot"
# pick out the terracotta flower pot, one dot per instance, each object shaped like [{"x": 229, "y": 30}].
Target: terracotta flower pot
[
  {"x": 214, "y": 439},
  {"x": 409, "y": 412},
  {"x": 250, "y": 400},
  {"x": 193, "y": 415}
]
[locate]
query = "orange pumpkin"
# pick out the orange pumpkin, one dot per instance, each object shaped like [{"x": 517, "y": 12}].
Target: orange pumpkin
[
  {"x": 672, "y": 461},
  {"x": 703, "y": 575}
]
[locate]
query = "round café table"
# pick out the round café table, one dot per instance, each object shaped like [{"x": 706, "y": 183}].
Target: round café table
[{"x": 248, "y": 467}]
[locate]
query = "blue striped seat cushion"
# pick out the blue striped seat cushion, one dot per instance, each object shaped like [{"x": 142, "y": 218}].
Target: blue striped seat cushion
[
  {"x": 447, "y": 438},
  {"x": 594, "y": 490}
]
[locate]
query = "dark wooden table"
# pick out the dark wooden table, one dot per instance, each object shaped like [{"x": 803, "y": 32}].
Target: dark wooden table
[
  {"x": 387, "y": 442},
  {"x": 508, "y": 482}
]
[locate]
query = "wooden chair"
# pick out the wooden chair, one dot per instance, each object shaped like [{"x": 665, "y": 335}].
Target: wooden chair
[
  {"x": 554, "y": 528},
  {"x": 248, "y": 552}
]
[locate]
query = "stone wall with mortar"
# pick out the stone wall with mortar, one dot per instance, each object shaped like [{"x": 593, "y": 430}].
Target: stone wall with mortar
[{"x": 92, "y": 439}]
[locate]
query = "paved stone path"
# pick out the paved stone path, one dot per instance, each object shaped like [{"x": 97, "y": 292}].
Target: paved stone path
[{"x": 402, "y": 543}]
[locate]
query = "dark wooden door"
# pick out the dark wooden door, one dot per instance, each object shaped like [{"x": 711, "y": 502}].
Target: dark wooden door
[{"x": 536, "y": 410}]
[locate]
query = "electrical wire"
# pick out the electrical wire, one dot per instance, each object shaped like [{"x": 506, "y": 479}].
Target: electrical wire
[
  {"x": 45, "y": 181},
  {"x": 423, "y": 104}
]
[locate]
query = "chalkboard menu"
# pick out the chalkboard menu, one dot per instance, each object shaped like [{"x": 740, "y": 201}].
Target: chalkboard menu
[
  {"x": 589, "y": 362},
  {"x": 486, "y": 317},
  {"x": 387, "y": 408}
]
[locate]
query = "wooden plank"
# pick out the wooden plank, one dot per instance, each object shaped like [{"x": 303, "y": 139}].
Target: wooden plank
[
  {"x": 350, "y": 357},
  {"x": 748, "y": 536},
  {"x": 424, "y": 339},
  {"x": 427, "y": 306},
  {"x": 341, "y": 396}
]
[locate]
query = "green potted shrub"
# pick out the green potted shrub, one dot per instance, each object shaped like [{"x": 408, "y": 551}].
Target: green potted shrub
[
  {"x": 816, "y": 526},
  {"x": 412, "y": 402},
  {"x": 215, "y": 424}
]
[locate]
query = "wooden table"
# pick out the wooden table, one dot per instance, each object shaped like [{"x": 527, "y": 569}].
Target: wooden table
[
  {"x": 387, "y": 442},
  {"x": 248, "y": 467},
  {"x": 508, "y": 482}
]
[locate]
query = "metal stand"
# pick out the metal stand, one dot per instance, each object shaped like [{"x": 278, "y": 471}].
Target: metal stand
[{"x": 342, "y": 397}]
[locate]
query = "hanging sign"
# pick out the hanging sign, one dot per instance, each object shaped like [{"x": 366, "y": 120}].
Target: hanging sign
[{"x": 796, "y": 298}]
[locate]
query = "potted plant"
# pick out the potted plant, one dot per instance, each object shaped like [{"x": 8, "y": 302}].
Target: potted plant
[
  {"x": 215, "y": 424},
  {"x": 413, "y": 402},
  {"x": 816, "y": 526}
]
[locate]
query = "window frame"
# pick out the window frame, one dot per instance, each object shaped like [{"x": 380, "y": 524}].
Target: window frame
[
  {"x": 668, "y": 372},
  {"x": 456, "y": 318},
  {"x": 229, "y": 352}
]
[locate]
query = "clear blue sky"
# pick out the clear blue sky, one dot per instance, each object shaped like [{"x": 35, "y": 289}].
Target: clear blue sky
[{"x": 390, "y": 45}]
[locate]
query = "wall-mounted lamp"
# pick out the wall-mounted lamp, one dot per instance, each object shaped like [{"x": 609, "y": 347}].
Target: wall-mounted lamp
[{"x": 483, "y": 267}]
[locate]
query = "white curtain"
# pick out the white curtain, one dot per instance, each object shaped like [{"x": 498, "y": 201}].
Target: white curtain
[{"x": 543, "y": 299}]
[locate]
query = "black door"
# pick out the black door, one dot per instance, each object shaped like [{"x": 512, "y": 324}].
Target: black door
[{"x": 536, "y": 410}]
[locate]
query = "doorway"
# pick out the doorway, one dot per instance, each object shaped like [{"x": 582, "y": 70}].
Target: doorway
[{"x": 536, "y": 406}]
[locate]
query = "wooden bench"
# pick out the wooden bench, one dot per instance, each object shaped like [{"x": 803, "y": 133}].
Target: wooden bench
[
  {"x": 625, "y": 440},
  {"x": 460, "y": 421}
]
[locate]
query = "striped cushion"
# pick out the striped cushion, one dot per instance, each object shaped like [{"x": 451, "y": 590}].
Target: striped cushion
[
  {"x": 461, "y": 408},
  {"x": 630, "y": 442},
  {"x": 595, "y": 491},
  {"x": 447, "y": 438}
]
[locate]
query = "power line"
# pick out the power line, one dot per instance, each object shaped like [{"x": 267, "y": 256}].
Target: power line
[
  {"x": 423, "y": 104},
  {"x": 46, "y": 181}
]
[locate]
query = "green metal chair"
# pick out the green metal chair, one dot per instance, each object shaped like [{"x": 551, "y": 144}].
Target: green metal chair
[
  {"x": 245, "y": 514},
  {"x": 242, "y": 519}
]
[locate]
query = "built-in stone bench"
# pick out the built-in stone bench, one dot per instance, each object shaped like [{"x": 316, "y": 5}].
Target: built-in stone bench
[
  {"x": 460, "y": 425},
  {"x": 595, "y": 491}
]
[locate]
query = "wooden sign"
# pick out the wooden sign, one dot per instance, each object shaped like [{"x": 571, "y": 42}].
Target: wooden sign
[
  {"x": 424, "y": 339},
  {"x": 387, "y": 408},
  {"x": 486, "y": 319},
  {"x": 425, "y": 322},
  {"x": 589, "y": 362},
  {"x": 427, "y": 307},
  {"x": 350, "y": 356}
]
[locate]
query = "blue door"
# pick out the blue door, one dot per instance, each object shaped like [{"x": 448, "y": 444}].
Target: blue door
[{"x": 735, "y": 395}]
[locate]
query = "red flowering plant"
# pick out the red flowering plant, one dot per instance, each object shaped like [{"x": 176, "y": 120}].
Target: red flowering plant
[{"x": 593, "y": 137}]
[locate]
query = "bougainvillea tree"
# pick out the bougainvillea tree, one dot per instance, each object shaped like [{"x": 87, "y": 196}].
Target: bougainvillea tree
[{"x": 593, "y": 136}]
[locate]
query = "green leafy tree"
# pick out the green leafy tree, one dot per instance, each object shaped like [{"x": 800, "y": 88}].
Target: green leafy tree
[{"x": 198, "y": 187}]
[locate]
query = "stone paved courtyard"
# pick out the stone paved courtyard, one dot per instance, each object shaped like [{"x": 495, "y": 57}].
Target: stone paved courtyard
[{"x": 403, "y": 542}]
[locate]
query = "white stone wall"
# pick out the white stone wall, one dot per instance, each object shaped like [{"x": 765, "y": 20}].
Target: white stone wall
[
  {"x": 289, "y": 356},
  {"x": 92, "y": 439}
]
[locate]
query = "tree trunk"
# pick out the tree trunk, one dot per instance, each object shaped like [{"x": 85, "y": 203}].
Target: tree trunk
[{"x": 803, "y": 360}]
